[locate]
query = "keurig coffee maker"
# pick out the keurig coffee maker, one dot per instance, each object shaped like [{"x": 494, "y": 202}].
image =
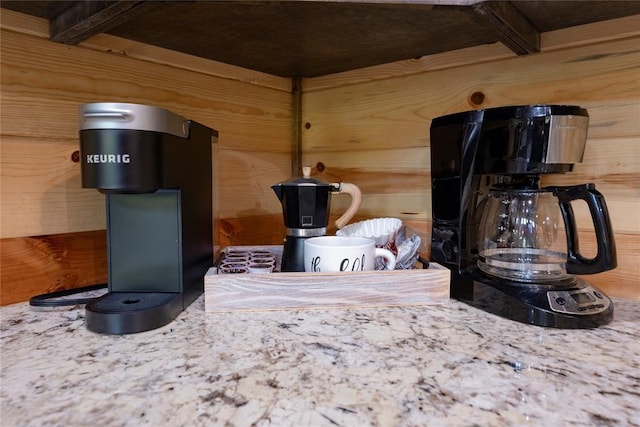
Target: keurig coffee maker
[
  {"x": 512, "y": 245},
  {"x": 155, "y": 169}
]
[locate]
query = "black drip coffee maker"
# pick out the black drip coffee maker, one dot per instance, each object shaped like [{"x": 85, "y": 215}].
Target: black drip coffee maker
[
  {"x": 513, "y": 246},
  {"x": 155, "y": 169},
  {"x": 306, "y": 203}
]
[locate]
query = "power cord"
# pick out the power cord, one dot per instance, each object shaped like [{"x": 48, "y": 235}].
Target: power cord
[{"x": 49, "y": 299}]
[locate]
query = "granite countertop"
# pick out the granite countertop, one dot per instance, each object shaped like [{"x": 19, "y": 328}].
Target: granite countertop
[{"x": 443, "y": 364}]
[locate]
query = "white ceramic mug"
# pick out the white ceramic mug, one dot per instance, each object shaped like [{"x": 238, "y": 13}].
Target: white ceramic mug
[{"x": 340, "y": 253}]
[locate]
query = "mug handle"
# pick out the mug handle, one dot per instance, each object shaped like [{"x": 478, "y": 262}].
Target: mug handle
[
  {"x": 388, "y": 256},
  {"x": 356, "y": 201},
  {"x": 605, "y": 258}
]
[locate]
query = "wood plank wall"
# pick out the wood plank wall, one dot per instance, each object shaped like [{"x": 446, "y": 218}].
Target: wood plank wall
[
  {"x": 52, "y": 230},
  {"x": 371, "y": 126}
]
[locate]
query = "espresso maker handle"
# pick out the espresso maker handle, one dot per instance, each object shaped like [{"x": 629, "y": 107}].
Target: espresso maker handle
[
  {"x": 356, "y": 201},
  {"x": 605, "y": 258}
]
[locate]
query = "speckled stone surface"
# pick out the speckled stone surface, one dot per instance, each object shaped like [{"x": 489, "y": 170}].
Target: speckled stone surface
[{"x": 445, "y": 364}]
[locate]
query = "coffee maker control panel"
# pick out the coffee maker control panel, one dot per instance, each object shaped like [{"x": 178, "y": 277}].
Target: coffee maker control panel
[{"x": 582, "y": 301}]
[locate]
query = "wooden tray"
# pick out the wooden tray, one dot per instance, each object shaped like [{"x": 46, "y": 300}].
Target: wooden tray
[{"x": 292, "y": 291}]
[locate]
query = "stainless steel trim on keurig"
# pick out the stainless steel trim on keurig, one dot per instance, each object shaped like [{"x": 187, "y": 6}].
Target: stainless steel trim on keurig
[
  {"x": 116, "y": 115},
  {"x": 306, "y": 232},
  {"x": 567, "y": 139}
]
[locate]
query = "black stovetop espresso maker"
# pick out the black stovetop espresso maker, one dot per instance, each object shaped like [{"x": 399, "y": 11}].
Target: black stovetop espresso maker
[
  {"x": 512, "y": 246},
  {"x": 306, "y": 204},
  {"x": 155, "y": 169}
]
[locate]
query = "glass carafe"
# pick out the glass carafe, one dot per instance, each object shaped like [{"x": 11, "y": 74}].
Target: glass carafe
[{"x": 529, "y": 235}]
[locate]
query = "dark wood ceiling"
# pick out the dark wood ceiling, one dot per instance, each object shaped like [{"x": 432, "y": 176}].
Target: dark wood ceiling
[{"x": 313, "y": 38}]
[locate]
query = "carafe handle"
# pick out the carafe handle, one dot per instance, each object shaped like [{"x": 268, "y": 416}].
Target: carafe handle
[
  {"x": 605, "y": 258},
  {"x": 356, "y": 201}
]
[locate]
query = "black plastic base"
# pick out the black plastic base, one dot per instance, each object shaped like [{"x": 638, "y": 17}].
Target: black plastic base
[
  {"x": 527, "y": 304},
  {"x": 121, "y": 313}
]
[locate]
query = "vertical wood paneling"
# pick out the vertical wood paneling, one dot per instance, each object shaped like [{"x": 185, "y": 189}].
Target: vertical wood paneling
[
  {"x": 47, "y": 219},
  {"x": 35, "y": 265},
  {"x": 369, "y": 127},
  {"x": 43, "y": 83},
  {"x": 374, "y": 131}
]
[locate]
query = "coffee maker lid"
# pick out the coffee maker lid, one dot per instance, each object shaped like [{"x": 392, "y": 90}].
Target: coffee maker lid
[
  {"x": 116, "y": 115},
  {"x": 511, "y": 111},
  {"x": 536, "y": 110},
  {"x": 305, "y": 180}
]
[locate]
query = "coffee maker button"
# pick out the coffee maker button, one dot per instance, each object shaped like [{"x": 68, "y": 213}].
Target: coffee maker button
[
  {"x": 561, "y": 301},
  {"x": 582, "y": 308},
  {"x": 598, "y": 294}
]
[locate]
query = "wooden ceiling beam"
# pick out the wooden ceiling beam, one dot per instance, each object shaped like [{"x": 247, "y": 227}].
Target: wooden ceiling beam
[
  {"x": 84, "y": 19},
  {"x": 511, "y": 27}
]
